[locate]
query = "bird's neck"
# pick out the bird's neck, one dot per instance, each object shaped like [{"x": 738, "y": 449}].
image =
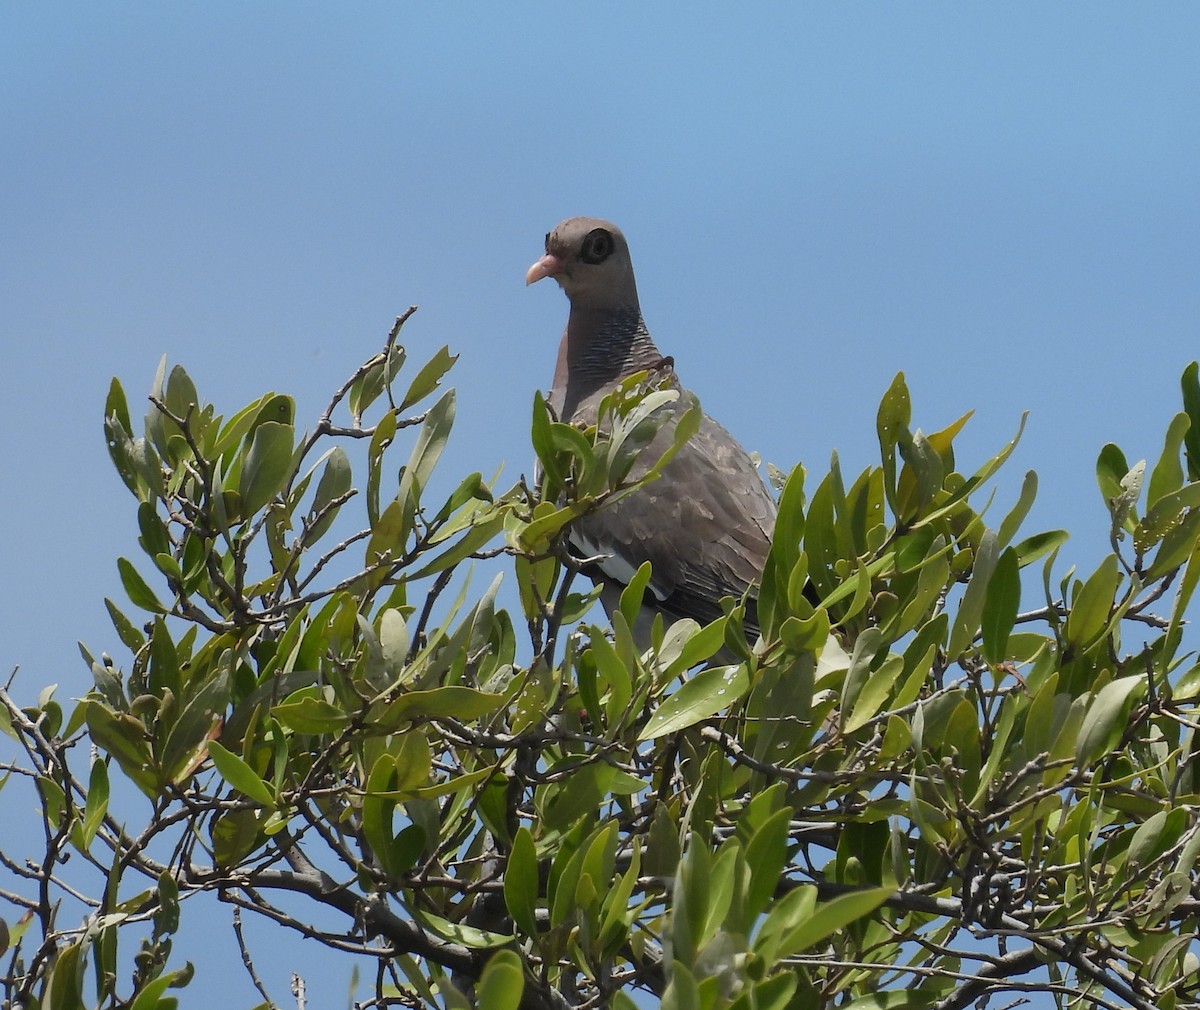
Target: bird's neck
[{"x": 598, "y": 350}]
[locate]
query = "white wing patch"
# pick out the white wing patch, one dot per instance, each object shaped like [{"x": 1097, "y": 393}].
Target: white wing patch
[{"x": 614, "y": 566}]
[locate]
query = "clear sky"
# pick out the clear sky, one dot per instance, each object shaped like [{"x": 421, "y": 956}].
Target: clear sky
[{"x": 1002, "y": 200}]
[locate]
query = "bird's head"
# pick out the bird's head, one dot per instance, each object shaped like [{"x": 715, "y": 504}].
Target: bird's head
[{"x": 590, "y": 260}]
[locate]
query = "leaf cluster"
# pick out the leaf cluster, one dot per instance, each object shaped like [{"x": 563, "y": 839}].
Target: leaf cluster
[{"x": 946, "y": 770}]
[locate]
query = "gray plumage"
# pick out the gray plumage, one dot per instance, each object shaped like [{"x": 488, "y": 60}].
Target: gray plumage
[{"x": 705, "y": 524}]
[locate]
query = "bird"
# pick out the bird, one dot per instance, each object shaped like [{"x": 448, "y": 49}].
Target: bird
[{"x": 705, "y": 522}]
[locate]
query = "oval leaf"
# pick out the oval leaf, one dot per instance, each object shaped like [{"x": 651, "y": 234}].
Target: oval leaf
[
  {"x": 521, "y": 882},
  {"x": 268, "y": 465},
  {"x": 831, "y": 916},
  {"x": 234, "y": 770},
  {"x": 705, "y": 694}
]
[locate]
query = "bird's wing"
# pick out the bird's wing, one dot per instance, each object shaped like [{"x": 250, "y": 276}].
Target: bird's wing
[{"x": 704, "y": 525}]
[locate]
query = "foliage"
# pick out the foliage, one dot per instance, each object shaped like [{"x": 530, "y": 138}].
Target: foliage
[{"x": 913, "y": 794}]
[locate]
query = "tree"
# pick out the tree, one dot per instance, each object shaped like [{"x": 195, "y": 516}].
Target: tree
[{"x": 914, "y": 794}]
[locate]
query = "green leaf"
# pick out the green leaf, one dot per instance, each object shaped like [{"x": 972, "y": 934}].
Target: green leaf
[
  {"x": 124, "y": 737},
  {"x": 366, "y": 390},
  {"x": 970, "y": 611},
  {"x": 866, "y": 646},
  {"x": 950, "y": 503},
  {"x": 785, "y": 563},
  {"x": 121, "y": 452},
  {"x": 1164, "y": 515},
  {"x": 579, "y": 796},
  {"x": 635, "y": 411},
  {"x": 267, "y": 467},
  {"x": 876, "y": 686},
  {"x": 548, "y": 522},
  {"x": 933, "y": 576},
  {"x": 482, "y": 529},
  {"x": 154, "y": 539},
  {"x": 682, "y": 992},
  {"x": 199, "y": 721},
  {"x": 1176, "y": 547},
  {"x": 471, "y": 488},
  {"x": 164, "y": 661},
  {"x": 692, "y": 900},
  {"x": 96, "y": 806},
  {"x": 1147, "y": 842},
  {"x": 233, "y": 431},
  {"x": 151, "y": 995},
  {"x": 389, "y": 535},
  {"x": 1104, "y": 722},
  {"x": 1190, "y": 384},
  {"x": 428, "y": 378},
  {"x": 1124, "y": 505},
  {"x": 779, "y": 706},
  {"x": 468, "y": 936},
  {"x": 521, "y": 882},
  {"x": 831, "y": 916},
  {"x": 397, "y": 854},
  {"x": 891, "y": 424},
  {"x": 166, "y": 917},
  {"x": 600, "y": 853},
  {"x": 378, "y": 809},
  {"x": 707, "y": 693},
  {"x": 1092, "y": 605},
  {"x": 454, "y": 702},
  {"x": 335, "y": 481},
  {"x": 1012, "y": 521},
  {"x": 140, "y": 594},
  {"x": 1111, "y": 468},
  {"x": 616, "y": 914},
  {"x": 1039, "y": 545},
  {"x": 1183, "y": 596},
  {"x": 54, "y": 802},
  {"x": 275, "y": 408},
  {"x": 503, "y": 982},
  {"x": 393, "y": 642},
  {"x": 130, "y": 636},
  {"x": 117, "y": 407},
  {"x": 181, "y": 399},
  {"x": 1167, "y": 476},
  {"x": 893, "y": 999},
  {"x": 381, "y": 438},
  {"x": 785, "y": 915},
  {"x": 1003, "y": 601},
  {"x": 414, "y": 762},
  {"x": 774, "y": 993},
  {"x": 235, "y": 834},
  {"x": 961, "y": 742},
  {"x": 392, "y": 530},
  {"x": 306, "y": 713},
  {"x": 240, "y": 775},
  {"x": 154, "y": 418},
  {"x": 431, "y": 440},
  {"x": 922, "y": 475},
  {"x": 407, "y": 848},
  {"x": 544, "y": 446},
  {"x": 632, "y": 594},
  {"x": 766, "y": 855}
]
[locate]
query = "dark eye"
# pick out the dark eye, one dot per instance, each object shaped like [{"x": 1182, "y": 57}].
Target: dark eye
[
  {"x": 547, "y": 241},
  {"x": 597, "y": 247}
]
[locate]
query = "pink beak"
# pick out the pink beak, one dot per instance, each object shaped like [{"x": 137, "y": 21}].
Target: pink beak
[{"x": 548, "y": 266}]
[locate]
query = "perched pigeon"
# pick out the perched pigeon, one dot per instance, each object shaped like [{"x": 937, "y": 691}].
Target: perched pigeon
[{"x": 705, "y": 524}]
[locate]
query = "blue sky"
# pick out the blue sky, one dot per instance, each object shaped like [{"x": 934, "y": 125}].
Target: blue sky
[{"x": 1000, "y": 200}]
